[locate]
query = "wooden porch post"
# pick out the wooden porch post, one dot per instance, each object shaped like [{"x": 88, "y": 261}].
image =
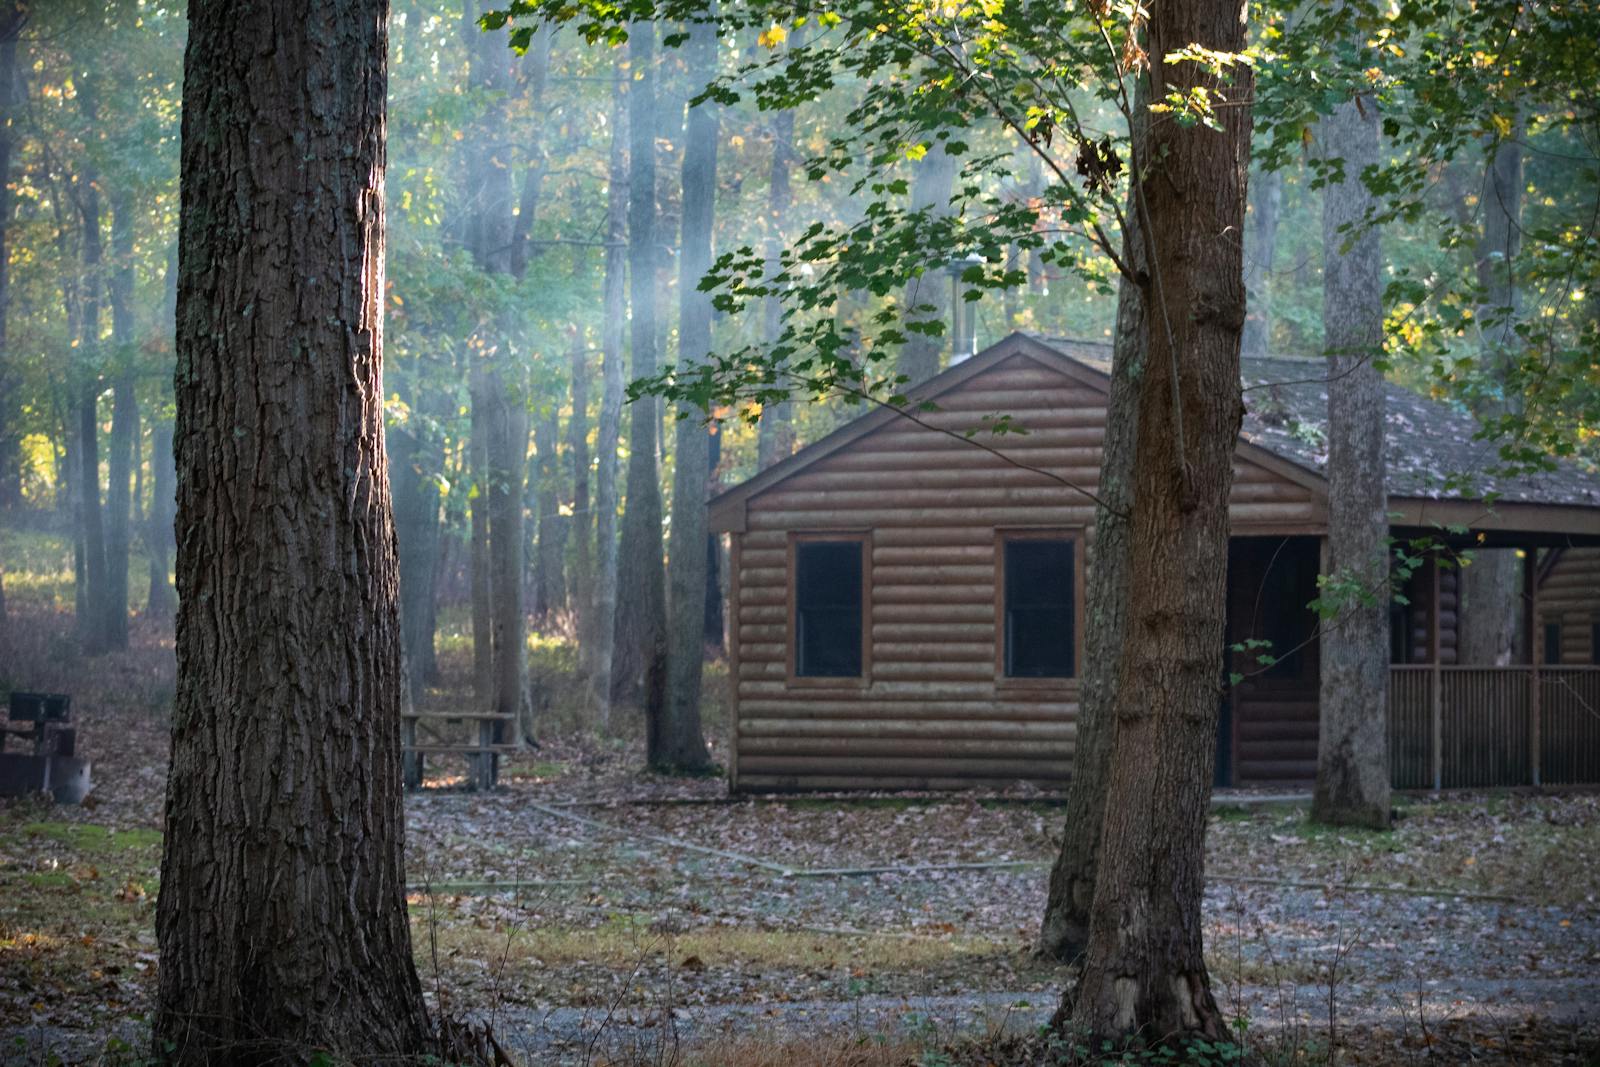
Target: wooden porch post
[
  {"x": 1530, "y": 626},
  {"x": 1436, "y": 677}
]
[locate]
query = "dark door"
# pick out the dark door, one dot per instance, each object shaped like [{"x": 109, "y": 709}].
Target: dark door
[{"x": 1267, "y": 732}]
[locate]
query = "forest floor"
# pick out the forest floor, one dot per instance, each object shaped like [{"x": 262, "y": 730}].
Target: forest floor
[{"x": 589, "y": 913}]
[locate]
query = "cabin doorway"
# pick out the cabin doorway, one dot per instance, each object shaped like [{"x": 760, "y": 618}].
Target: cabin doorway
[{"x": 1267, "y": 725}]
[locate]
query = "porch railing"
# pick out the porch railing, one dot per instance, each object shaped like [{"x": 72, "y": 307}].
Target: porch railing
[{"x": 1463, "y": 727}]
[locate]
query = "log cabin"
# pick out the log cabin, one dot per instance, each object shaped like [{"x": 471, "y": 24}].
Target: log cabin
[{"x": 906, "y": 594}]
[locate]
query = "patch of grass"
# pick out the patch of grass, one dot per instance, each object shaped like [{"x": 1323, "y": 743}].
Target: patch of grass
[
  {"x": 91, "y": 838},
  {"x": 628, "y": 938}
]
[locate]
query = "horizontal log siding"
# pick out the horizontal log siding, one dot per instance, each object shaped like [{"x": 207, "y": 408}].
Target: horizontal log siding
[
  {"x": 1569, "y": 594},
  {"x": 932, "y": 715}
]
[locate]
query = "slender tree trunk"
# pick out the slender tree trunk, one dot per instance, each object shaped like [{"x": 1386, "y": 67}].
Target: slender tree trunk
[
  {"x": 504, "y": 388},
  {"x": 775, "y": 431},
  {"x": 640, "y": 653},
  {"x": 92, "y": 623},
  {"x": 162, "y": 603},
  {"x": 677, "y": 742},
  {"x": 609, "y": 429},
  {"x": 713, "y": 626},
  {"x": 550, "y": 587},
  {"x": 282, "y": 915},
  {"x": 581, "y": 587},
  {"x": 1353, "y": 745},
  {"x": 507, "y": 439},
  {"x": 12, "y": 17},
  {"x": 1491, "y": 589},
  {"x": 536, "y": 72},
  {"x": 1145, "y": 971},
  {"x": 121, "y": 456},
  {"x": 1064, "y": 934},
  {"x": 931, "y": 189},
  {"x": 1265, "y": 209},
  {"x": 478, "y": 559},
  {"x": 415, "y": 461}
]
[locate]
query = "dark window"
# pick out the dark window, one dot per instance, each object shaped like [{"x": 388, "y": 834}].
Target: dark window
[
  {"x": 1594, "y": 643},
  {"x": 1038, "y": 608},
  {"x": 827, "y": 589},
  {"x": 1552, "y": 642}
]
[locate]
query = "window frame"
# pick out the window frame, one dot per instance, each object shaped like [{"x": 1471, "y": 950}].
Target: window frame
[
  {"x": 1003, "y": 534},
  {"x": 793, "y": 679}
]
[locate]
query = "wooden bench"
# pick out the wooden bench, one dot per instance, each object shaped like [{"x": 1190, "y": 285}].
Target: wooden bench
[
  {"x": 52, "y": 764},
  {"x": 483, "y": 752}
]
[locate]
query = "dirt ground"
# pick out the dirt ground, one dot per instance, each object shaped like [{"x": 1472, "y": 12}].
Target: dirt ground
[{"x": 591, "y": 914}]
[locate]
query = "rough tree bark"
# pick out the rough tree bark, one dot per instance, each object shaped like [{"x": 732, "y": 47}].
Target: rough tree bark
[
  {"x": 12, "y": 17},
  {"x": 1144, "y": 972},
  {"x": 676, "y": 742},
  {"x": 602, "y": 635},
  {"x": 282, "y": 915},
  {"x": 930, "y": 188},
  {"x": 1490, "y": 585},
  {"x": 1266, "y": 207},
  {"x": 640, "y": 652},
  {"x": 1064, "y": 933},
  {"x": 1353, "y": 745},
  {"x": 120, "y": 456}
]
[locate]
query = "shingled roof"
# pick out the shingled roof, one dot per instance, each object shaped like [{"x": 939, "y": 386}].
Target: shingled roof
[
  {"x": 1431, "y": 452},
  {"x": 1437, "y": 473}
]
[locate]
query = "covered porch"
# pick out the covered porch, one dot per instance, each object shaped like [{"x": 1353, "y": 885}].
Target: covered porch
[{"x": 1533, "y": 722}]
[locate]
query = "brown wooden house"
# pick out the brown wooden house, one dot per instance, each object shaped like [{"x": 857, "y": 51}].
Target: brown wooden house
[{"x": 906, "y": 606}]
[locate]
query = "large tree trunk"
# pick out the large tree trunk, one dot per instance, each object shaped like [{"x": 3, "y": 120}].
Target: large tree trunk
[
  {"x": 1491, "y": 587},
  {"x": 676, "y": 742},
  {"x": 1145, "y": 971},
  {"x": 640, "y": 652},
  {"x": 12, "y": 17},
  {"x": 121, "y": 457},
  {"x": 1266, "y": 206},
  {"x": 602, "y": 634},
  {"x": 931, "y": 189},
  {"x": 1353, "y": 744},
  {"x": 1064, "y": 933},
  {"x": 282, "y": 916}
]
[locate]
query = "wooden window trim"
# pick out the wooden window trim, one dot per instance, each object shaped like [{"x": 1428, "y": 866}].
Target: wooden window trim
[
  {"x": 793, "y": 679},
  {"x": 1002, "y": 534}
]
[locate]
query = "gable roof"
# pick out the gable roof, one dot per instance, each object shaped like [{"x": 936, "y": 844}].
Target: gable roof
[{"x": 1431, "y": 455}]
